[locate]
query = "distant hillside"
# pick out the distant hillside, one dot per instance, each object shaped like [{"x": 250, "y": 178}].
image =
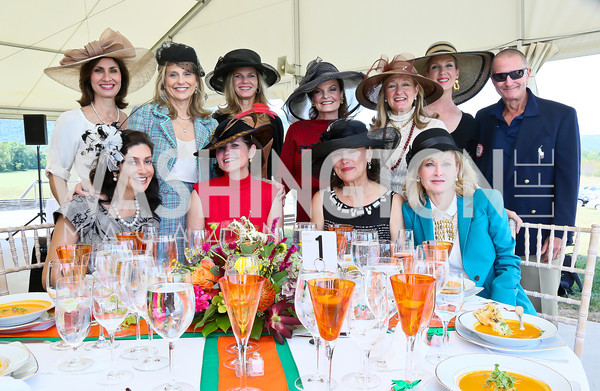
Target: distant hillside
[
  {"x": 590, "y": 142},
  {"x": 12, "y": 130}
]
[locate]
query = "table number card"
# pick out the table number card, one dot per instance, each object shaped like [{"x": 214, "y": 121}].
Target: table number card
[{"x": 319, "y": 250}]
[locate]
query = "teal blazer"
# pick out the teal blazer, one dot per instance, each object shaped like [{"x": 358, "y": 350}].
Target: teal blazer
[{"x": 486, "y": 245}]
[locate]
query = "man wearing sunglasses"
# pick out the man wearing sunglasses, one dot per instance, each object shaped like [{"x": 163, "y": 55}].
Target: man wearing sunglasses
[{"x": 529, "y": 149}]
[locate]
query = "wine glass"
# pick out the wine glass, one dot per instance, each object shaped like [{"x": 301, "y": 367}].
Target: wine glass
[
  {"x": 447, "y": 304},
  {"x": 364, "y": 252},
  {"x": 241, "y": 294},
  {"x": 415, "y": 299},
  {"x": 136, "y": 238},
  {"x": 432, "y": 261},
  {"x": 163, "y": 250},
  {"x": 383, "y": 353},
  {"x": 306, "y": 314},
  {"x": 57, "y": 269},
  {"x": 110, "y": 310},
  {"x": 171, "y": 304},
  {"x": 367, "y": 322},
  {"x": 404, "y": 249},
  {"x": 195, "y": 241},
  {"x": 330, "y": 298},
  {"x": 228, "y": 239},
  {"x": 297, "y": 233},
  {"x": 73, "y": 314},
  {"x": 101, "y": 255}
]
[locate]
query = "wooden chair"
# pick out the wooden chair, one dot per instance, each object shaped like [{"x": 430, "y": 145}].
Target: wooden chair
[
  {"x": 17, "y": 237},
  {"x": 579, "y": 235}
]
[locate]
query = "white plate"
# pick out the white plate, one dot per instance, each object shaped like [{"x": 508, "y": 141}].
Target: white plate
[
  {"x": 549, "y": 329},
  {"x": 449, "y": 371},
  {"x": 44, "y": 322},
  {"x": 16, "y": 356},
  {"x": 29, "y": 317},
  {"x": 468, "y": 284},
  {"x": 29, "y": 367},
  {"x": 542, "y": 345}
]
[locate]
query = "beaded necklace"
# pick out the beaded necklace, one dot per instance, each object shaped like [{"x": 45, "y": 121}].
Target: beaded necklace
[
  {"x": 412, "y": 128},
  {"x": 134, "y": 222}
]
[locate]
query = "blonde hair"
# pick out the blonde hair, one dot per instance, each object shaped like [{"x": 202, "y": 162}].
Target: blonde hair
[
  {"x": 381, "y": 119},
  {"x": 233, "y": 101},
  {"x": 464, "y": 186},
  {"x": 196, "y": 107}
]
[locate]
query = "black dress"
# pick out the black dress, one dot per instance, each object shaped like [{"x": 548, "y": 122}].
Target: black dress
[
  {"x": 466, "y": 134},
  {"x": 277, "y": 137},
  {"x": 376, "y": 215}
]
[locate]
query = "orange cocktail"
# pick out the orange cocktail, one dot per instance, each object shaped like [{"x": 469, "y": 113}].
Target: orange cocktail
[
  {"x": 415, "y": 298},
  {"x": 406, "y": 258},
  {"x": 438, "y": 245},
  {"x": 137, "y": 238}
]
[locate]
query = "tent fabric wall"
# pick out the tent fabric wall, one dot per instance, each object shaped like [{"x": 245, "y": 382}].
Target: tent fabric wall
[{"x": 349, "y": 33}]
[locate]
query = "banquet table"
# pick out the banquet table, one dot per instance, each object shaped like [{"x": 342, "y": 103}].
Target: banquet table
[{"x": 188, "y": 356}]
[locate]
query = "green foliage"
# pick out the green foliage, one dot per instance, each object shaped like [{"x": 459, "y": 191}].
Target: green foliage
[{"x": 16, "y": 156}]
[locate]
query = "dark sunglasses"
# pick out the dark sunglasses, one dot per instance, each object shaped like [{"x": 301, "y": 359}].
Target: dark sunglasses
[{"x": 515, "y": 75}]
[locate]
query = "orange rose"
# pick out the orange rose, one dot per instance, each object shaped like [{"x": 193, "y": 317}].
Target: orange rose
[{"x": 202, "y": 276}]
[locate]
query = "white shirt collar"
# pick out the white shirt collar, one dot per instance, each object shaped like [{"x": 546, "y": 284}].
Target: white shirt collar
[{"x": 444, "y": 214}]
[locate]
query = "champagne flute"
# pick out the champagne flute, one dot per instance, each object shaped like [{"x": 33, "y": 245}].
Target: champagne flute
[
  {"x": 415, "y": 299},
  {"x": 73, "y": 318},
  {"x": 195, "y": 241},
  {"x": 447, "y": 304},
  {"x": 306, "y": 314},
  {"x": 163, "y": 250},
  {"x": 57, "y": 269},
  {"x": 228, "y": 239},
  {"x": 404, "y": 249},
  {"x": 330, "y": 298},
  {"x": 367, "y": 322},
  {"x": 171, "y": 304},
  {"x": 241, "y": 294},
  {"x": 433, "y": 261},
  {"x": 110, "y": 310},
  {"x": 100, "y": 252},
  {"x": 384, "y": 355}
]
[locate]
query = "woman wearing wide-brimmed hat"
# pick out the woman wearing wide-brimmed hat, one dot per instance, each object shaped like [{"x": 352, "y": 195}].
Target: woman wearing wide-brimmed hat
[
  {"x": 345, "y": 155},
  {"x": 178, "y": 125},
  {"x": 445, "y": 203},
  {"x": 104, "y": 71},
  {"x": 324, "y": 94},
  {"x": 462, "y": 75},
  {"x": 235, "y": 192},
  {"x": 398, "y": 93},
  {"x": 243, "y": 78}
]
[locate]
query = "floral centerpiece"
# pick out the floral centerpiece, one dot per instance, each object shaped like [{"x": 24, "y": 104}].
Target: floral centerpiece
[{"x": 273, "y": 259}]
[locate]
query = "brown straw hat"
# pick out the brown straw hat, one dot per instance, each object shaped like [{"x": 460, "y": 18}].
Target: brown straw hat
[
  {"x": 367, "y": 91},
  {"x": 475, "y": 68},
  {"x": 140, "y": 62}
]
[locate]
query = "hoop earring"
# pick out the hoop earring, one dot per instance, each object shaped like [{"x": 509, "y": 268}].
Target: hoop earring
[{"x": 456, "y": 85}]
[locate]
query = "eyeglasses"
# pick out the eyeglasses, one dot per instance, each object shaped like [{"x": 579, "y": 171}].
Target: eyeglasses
[{"x": 515, "y": 75}]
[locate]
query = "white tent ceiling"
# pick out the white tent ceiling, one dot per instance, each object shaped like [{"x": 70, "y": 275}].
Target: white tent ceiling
[{"x": 348, "y": 33}]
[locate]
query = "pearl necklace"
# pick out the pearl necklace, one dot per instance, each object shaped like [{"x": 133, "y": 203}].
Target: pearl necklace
[
  {"x": 101, "y": 119},
  {"x": 184, "y": 118},
  {"x": 134, "y": 222}
]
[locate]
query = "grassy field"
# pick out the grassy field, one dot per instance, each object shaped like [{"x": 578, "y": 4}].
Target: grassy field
[{"x": 13, "y": 184}]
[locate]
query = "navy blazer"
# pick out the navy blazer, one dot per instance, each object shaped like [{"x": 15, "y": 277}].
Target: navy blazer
[
  {"x": 543, "y": 180},
  {"x": 486, "y": 245}
]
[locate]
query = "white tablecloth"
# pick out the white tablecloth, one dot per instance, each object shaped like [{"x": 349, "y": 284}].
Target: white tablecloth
[{"x": 187, "y": 359}]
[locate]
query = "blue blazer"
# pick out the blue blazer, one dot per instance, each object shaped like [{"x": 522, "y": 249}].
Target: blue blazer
[
  {"x": 542, "y": 180},
  {"x": 486, "y": 245}
]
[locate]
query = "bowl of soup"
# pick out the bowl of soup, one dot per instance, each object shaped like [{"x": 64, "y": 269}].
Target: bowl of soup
[
  {"x": 23, "y": 308},
  {"x": 469, "y": 372},
  {"x": 536, "y": 329}
]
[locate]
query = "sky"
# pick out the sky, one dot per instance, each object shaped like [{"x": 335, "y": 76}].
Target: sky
[{"x": 573, "y": 82}]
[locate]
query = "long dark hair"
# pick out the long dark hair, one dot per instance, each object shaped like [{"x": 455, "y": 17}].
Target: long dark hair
[
  {"x": 342, "y": 110},
  {"x": 87, "y": 93},
  {"x": 131, "y": 138}
]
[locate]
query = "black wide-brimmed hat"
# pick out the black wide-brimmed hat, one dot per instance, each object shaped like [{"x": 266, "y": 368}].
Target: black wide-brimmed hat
[
  {"x": 348, "y": 133},
  {"x": 318, "y": 71},
  {"x": 239, "y": 58},
  {"x": 475, "y": 68},
  {"x": 227, "y": 131},
  {"x": 173, "y": 52},
  {"x": 434, "y": 138},
  {"x": 367, "y": 91}
]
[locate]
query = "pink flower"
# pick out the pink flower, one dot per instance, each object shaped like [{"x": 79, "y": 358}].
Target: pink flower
[
  {"x": 202, "y": 299},
  {"x": 274, "y": 224},
  {"x": 206, "y": 247}
]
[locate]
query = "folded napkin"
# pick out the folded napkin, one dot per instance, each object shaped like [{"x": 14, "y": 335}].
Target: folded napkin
[{"x": 280, "y": 368}]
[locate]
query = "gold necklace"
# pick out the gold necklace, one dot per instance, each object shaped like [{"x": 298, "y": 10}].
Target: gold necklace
[{"x": 399, "y": 128}]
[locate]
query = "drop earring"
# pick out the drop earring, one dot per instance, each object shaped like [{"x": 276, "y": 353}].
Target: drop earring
[
  {"x": 456, "y": 85},
  {"x": 115, "y": 177},
  {"x": 418, "y": 179},
  {"x": 369, "y": 165},
  {"x": 196, "y": 92}
]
